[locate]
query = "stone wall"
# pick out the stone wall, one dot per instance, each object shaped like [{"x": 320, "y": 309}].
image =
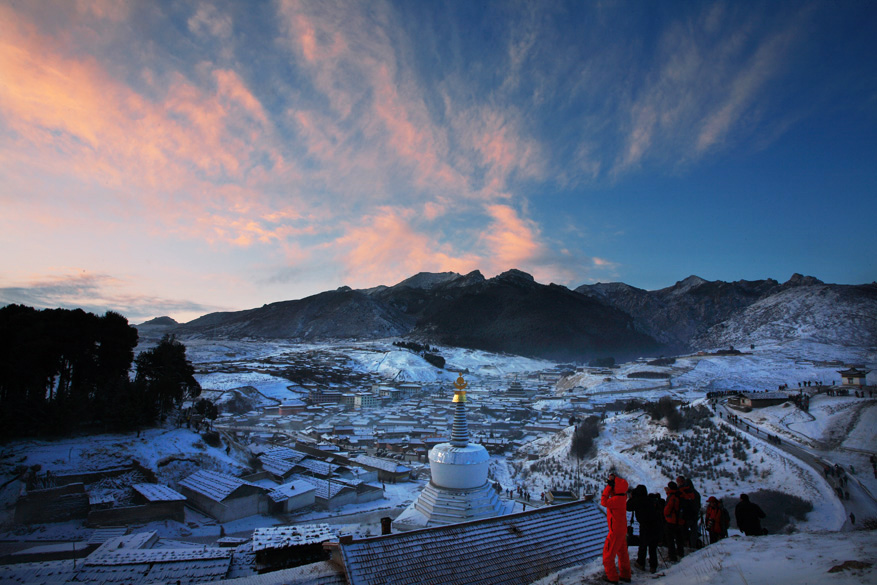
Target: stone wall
[
  {"x": 138, "y": 514},
  {"x": 57, "y": 504}
]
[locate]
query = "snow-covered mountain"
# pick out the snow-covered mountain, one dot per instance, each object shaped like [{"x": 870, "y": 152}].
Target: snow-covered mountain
[
  {"x": 830, "y": 314},
  {"x": 513, "y": 313},
  {"x": 677, "y": 314}
]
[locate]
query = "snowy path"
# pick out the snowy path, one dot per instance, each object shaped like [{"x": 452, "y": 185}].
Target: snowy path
[{"x": 861, "y": 503}]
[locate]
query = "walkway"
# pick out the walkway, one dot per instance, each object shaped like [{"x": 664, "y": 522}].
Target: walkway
[{"x": 861, "y": 503}]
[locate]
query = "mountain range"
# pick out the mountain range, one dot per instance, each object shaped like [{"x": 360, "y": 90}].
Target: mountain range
[{"x": 513, "y": 313}]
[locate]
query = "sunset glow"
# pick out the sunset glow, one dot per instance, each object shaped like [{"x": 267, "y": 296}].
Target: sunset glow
[{"x": 162, "y": 158}]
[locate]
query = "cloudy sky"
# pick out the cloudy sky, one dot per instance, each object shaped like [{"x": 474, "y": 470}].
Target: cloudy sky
[{"x": 181, "y": 157}]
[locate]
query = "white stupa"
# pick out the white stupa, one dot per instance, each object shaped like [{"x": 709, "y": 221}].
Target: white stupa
[{"x": 459, "y": 490}]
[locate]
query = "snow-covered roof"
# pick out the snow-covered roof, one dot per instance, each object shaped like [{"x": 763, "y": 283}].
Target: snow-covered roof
[
  {"x": 216, "y": 486},
  {"x": 286, "y": 536},
  {"x": 291, "y": 489},
  {"x": 516, "y": 549},
  {"x": 285, "y": 453},
  {"x": 773, "y": 395},
  {"x": 318, "y": 467},
  {"x": 324, "y": 486},
  {"x": 154, "y": 492},
  {"x": 380, "y": 463},
  {"x": 276, "y": 465}
]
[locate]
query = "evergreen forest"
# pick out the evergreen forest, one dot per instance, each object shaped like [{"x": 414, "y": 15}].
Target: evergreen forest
[{"x": 64, "y": 371}]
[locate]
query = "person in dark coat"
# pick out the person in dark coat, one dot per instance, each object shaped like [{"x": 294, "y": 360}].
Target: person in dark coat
[
  {"x": 644, "y": 511},
  {"x": 749, "y": 517},
  {"x": 689, "y": 502}
]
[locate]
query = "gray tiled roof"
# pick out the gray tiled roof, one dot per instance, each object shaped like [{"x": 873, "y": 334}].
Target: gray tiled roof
[
  {"x": 276, "y": 465},
  {"x": 286, "y": 453},
  {"x": 216, "y": 486},
  {"x": 155, "y": 492},
  {"x": 517, "y": 549},
  {"x": 319, "y": 467},
  {"x": 382, "y": 464},
  {"x": 322, "y": 573},
  {"x": 286, "y": 536},
  {"x": 326, "y": 489},
  {"x": 288, "y": 490}
]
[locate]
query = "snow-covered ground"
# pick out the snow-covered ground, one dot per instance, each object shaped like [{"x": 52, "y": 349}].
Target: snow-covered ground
[
  {"x": 839, "y": 429},
  {"x": 839, "y": 558}
]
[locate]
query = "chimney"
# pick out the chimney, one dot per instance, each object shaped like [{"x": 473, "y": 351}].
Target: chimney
[{"x": 386, "y": 526}]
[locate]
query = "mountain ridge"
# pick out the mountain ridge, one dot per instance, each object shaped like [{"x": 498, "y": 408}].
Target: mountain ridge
[{"x": 512, "y": 312}]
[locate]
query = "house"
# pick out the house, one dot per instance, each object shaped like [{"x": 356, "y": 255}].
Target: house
[
  {"x": 387, "y": 469},
  {"x": 761, "y": 399},
  {"x": 854, "y": 377},
  {"x": 291, "y": 406},
  {"x": 292, "y": 496},
  {"x": 133, "y": 559},
  {"x": 280, "y": 547},
  {"x": 332, "y": 494},
  {"x": 515, "y": 549},
  {"x": 316, "y": 468},
  {"x": 152, "y": 502},
  {"x": 224, "y": 497}
]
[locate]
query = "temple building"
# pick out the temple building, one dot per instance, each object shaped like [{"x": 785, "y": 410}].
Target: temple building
[
  {"x": 854, "y": 377},
  {"x": 458, "y": 490}
]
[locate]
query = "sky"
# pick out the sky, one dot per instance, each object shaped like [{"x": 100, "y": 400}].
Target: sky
[{"x": 182, "y": 157}]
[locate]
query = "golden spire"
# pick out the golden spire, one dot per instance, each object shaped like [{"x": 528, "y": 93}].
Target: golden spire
[{"x": 460, "y": 389}]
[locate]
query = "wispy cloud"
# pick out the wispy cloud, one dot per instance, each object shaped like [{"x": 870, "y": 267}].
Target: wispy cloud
[
  {"x": 95, "y": 293},
  {"x": 708, "y": 73},
  {"x": 362, "y": 142}
]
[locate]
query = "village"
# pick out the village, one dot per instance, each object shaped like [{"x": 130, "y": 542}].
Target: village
[{"x": 336, "y": 442}]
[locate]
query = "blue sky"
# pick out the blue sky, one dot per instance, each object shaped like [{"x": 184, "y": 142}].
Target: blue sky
[{"x": 181, "y": 157}]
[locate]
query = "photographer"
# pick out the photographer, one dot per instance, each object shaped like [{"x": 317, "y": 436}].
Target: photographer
[{"x": 614, "y": 499}]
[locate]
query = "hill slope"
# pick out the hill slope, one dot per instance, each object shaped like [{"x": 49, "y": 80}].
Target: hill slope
[{"x": 831, "y": 314}]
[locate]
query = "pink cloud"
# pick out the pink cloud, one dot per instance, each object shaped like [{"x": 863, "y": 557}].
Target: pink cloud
[
  {"x": 511, "y": 241},
  {"x": 174, "y": 156},
  {"x": 387, "y": 249}
]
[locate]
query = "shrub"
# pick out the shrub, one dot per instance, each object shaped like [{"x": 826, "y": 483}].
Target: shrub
[
  {"x": 212, "y": 438},
  {"x": 436, "y": 360},
  {"x": 583, "y": 437}
]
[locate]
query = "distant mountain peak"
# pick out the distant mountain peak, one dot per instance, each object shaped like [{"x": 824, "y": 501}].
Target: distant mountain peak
[
  {"x": 160, "y": 321},
  {"x": 515, "y": 274},
  {"x": 692, "y": 281},
  {"x": 801, "y": 280},
  {"x": 428, "y": 280}
]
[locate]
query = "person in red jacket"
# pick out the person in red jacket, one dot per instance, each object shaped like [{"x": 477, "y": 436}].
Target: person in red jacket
[
  {"x": 674, "y": 521},
  {"x": 614, "y": 499},
  {"x": 714, "y": 520}
]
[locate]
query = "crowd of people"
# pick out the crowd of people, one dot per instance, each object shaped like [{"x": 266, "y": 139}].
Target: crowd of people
[{"x": 674, "y": 522}]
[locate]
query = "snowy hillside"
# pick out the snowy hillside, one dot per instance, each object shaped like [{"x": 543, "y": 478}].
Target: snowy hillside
[
  {"x": 830, "y": 314},
  {"x": 846, "y": 558},
  {"x": 722, "y": 461}
]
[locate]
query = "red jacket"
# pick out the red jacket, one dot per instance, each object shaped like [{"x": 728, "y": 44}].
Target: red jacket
[
  {"x": 672, "y": 514},
  {"x": 616, "y": 506},
  {"x": 714, "y": 519}
]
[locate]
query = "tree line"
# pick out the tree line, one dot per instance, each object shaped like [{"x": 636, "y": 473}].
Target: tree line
[{"x": 63, "y": 371}]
